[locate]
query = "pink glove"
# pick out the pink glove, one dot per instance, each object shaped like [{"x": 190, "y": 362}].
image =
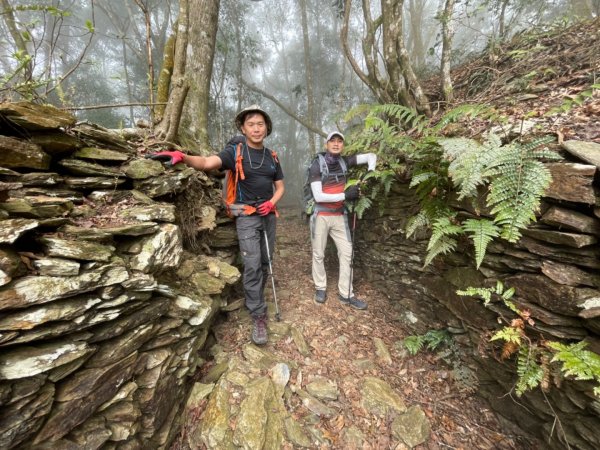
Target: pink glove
[
  {"x": 265, "y": 208},
  {"x": 169, "y": 158}
]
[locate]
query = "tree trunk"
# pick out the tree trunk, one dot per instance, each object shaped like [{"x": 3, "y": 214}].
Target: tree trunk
[
  {"x": 146, "y": 13},
  {"x": 502, "y": 19},
  {"x": 164, "y": 77},
  {"x": 11, "y": 24},
  {"x": 128, "y": 82},
  {"x": 309, "y": 77},
  {"x": 416, "y": 44},
  {"x": 401, "y": 84},
  {"x": 238, "y": 68},
  {"x": 372, "y": 78},
  {"x": 402, "y": 76},
  {"x": 169, "y": 125},
  {"x": 447, "y": 34},
  {"x": 203, "y": 20}
]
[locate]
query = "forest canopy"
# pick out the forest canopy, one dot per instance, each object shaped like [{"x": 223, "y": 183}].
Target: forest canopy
[{"x": 306, "y": 62}]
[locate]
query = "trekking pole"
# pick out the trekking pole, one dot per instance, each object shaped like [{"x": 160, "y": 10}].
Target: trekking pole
[
  {"x": 352, "y": 244},
  {"x": 361, "y": 180},
  {"x": 277, "y": 316}
]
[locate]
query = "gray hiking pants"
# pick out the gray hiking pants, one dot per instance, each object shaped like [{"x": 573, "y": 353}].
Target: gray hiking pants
[{"x": 250, "y": 231}]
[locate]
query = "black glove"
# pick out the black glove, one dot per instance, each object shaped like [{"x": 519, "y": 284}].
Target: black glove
[{"x": 352, "y": 193}]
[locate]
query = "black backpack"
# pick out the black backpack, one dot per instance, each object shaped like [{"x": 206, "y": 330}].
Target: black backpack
[{"x": 308, "y": 201}]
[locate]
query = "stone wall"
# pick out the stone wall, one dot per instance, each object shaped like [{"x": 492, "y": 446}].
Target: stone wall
[
  {"x": 102, "y": 310},
  {"x": 554, "y": 269}
]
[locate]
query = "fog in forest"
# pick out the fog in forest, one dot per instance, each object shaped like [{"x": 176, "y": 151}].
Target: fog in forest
[{"x": 287, "y": 56}]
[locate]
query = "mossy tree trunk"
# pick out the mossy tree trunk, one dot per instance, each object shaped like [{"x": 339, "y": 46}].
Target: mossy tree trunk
[
  {"x": 203, "y": 23},
  {"x": 169, "y": 125},
  {"x": 164, "y": 78}
]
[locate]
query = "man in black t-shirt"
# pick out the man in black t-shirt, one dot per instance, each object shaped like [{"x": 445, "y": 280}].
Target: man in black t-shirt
[{"x": 256, "y": 194}]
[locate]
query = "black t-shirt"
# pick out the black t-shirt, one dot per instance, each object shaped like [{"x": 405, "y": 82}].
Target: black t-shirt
[{"x": 260, "y": 170}]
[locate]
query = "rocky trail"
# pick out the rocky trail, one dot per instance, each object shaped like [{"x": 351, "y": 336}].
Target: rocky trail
[{"x": 330, "y": 376}]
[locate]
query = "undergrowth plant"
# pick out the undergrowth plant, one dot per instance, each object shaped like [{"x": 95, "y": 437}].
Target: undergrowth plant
[
  {"x": 511, "y": 178},
  {"x": 539, "y": 362},
  {"x": 432, "y": 340},
  {"x": 503, "y": 182},
  {"x": 569, "y": 102}
]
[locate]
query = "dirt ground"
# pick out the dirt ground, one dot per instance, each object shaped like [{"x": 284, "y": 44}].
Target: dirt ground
[{"x": 341, "y": 342}]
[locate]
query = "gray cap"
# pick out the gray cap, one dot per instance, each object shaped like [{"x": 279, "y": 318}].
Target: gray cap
[
  {"x": 334, "y": 133},
  {"x": 239, "y": 118}
]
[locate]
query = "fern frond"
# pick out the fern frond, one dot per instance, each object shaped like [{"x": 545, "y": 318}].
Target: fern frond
[
  {"x": 516, "y": 191},
  {"x": 414, "y": 344},
  {"x": 362, "y": 205},
  {"x": 407, "y": 116},
  {"x": 443, "y": 227},
  {"x": 436, "y": 338},
  {"x": 469, "y": 159},
  {"x": 458, "y": 113},
  {"x": 387, "y": 178},
  {"x": 481, "y": 232},
  {"x": 357, "y": 111},
  {"x": 577, "y": 362},
  {"x": 442, "y": 245},
  {"x": 529, "y": 371},
  {"x": 508, "y": 334},
  {"x": 484, "y": 293},
  {"x": 421, "y": 177},
  {"x": 420, "y": 220}
]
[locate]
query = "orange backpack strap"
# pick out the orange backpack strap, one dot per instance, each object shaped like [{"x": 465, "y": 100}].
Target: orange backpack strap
[
  {"x": 231, "y": 181},
  {"x": 239, "y": 168},
  {"x": 274, "y": 155}
]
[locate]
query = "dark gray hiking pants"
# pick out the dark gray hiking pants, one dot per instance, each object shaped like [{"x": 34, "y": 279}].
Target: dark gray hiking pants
[{"x": 254, "y": 256}]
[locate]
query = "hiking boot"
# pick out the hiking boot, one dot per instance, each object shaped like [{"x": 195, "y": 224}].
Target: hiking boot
[
  {"x": 352, "y": 301},
  {"x": 320, "y": 296},
  {"x": 259, "y": 330}
]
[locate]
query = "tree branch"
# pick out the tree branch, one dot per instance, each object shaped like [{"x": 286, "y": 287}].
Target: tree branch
[
  {"x": 284, "y": 108},
  {"x": 118, "y": 105},
  {"x": 348, "y": 53}
]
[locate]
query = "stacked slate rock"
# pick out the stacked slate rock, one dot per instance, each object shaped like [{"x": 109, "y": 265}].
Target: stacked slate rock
[
  {"x": 554, "y": 269},
  {"x": 103, "y": 312}
]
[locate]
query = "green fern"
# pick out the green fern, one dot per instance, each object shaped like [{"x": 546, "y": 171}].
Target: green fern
[
  {"x": 362, "y": 205},
  {"x": 458, "y": 113},
  {"x": 406, "y": 116},
  {"x": 469, "y": 159},
  {"x": 414, "y": 344},
  {"x": 437, "y": 338},
  {"x": 419, "y": 220},
  {"x": 443, "y": 227},
  {"x": 421, "y": 178},
  {"x": 529, "y": 372},
  {"x": 571, "y": 101},
  {"x": 484, "y": 293},
  {"x": 576, "y": 362},
  {"x": 520, "y": 180},
  {"x": 508, "y": 334},
  {"x": 481, "y": 232},
  {"x": 433, "y": 339},
  {"x": 441, "y": 240},
  {"x": 431, "y": 211}
]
